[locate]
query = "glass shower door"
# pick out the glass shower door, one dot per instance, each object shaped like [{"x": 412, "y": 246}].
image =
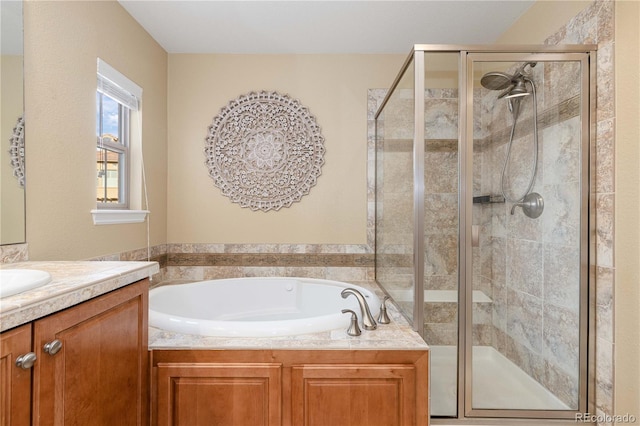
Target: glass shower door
[{"x": 527, "y": 294}]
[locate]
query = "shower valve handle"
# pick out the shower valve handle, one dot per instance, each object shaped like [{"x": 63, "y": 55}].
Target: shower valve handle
[{"x": 532, "y": 205}]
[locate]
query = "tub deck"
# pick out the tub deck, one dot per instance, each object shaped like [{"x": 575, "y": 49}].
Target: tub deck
[{"x": 396, "y": 335}]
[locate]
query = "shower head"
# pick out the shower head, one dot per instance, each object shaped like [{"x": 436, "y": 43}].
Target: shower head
[
  {"x": 513, "y": 85},
  {"x": 496, "y": 80},
  {"x": 518, "y": 90}
]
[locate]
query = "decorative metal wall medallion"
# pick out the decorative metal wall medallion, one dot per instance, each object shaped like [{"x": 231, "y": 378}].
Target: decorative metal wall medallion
[
  {"x": 264, "y": 151},
  {"x": 16, "y": 150}
]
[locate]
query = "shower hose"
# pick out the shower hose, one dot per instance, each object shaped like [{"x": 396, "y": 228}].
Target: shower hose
[{"x": 516, "y": 112}]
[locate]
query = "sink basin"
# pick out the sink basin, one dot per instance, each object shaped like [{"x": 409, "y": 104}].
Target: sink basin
[{"x": 14, "y": 281}]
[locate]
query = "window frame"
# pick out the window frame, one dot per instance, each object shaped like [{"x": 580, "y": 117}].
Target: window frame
[{"x": 128, "y": 95}]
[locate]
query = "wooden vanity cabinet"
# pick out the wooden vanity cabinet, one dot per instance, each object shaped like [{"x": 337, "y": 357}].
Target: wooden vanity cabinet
[
  {"x": 92, "y": 363},
  {"x": 99, "y": 374},
  {"x": 290, "y": 387},
  {"x": 354, "y": 395},
  {"x": 15, "y": 382}
]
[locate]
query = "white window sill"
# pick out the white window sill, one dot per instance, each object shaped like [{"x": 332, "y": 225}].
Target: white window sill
[{"x": 113, "y": 217}]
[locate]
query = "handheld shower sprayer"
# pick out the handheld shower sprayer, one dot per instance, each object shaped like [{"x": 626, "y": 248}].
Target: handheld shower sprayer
[{"x": 514, "y": 89}]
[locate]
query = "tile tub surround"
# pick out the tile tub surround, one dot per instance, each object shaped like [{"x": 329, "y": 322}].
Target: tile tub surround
[
  {"x": 200, "y": 261},
  {"x": 396, "y": 335},
  {"x": 72, "y": 283},
  {"x": 12, "y": 253},
  {"x": 210, "y": 261}
]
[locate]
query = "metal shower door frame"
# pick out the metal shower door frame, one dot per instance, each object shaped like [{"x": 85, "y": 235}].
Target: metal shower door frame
[{"x": 581, "y": 54}]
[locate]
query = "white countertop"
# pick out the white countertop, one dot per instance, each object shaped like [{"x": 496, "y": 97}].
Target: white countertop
[{"x": 72, "y": 283}]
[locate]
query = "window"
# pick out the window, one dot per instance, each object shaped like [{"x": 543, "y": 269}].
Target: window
[
  {"x": 112, "y": 153},
  {"x": 118, "y": 147}
]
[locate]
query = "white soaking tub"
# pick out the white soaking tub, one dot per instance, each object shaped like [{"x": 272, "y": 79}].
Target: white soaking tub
[{"x": 255, "y": 307}]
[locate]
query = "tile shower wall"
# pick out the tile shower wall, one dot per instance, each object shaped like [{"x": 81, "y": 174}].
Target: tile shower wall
[{"x": 596, "y": 25}]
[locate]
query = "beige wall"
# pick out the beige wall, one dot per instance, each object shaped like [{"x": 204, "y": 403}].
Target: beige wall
[
  {"x": 11, "y": 193},
  {"x": 62, "y": 43},
  {"x": 542, "y": 19},
  {"x": 333, "y": 87},
  {"x": 627, "y": 209}
]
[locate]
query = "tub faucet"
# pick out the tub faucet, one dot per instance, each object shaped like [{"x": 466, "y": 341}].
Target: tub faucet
[{"x": 368, "y": 323}]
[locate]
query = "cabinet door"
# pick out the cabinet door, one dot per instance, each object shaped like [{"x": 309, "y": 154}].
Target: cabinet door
[
  {"x": 354, "y": 395},
  {"x": 219, "y": 394},
  {"x": 99, "y": 375},
  {"x": 15, "y": 382}
]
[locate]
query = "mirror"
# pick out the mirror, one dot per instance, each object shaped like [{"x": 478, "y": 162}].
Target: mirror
[{"x": 12, "y": 192}]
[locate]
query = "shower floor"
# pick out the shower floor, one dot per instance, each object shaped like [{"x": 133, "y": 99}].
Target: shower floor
[{"x": 497, "y": 383}]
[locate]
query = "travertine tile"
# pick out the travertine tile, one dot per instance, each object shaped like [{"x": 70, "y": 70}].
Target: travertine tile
[
  {"x": 525, "y": 266},
  {"x": 562, "y": 276},
  {"x": 525, "y": 319},
  {"x": 605, "y": 229},
  {"x": 13, "y": 253},
  {"x": 561, "y": 338},
  {"x": 605, "y": 157}
]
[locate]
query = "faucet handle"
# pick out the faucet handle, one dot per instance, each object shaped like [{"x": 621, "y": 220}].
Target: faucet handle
[
  {"x": 353, "y": 329},
  {"x": 383, "y": 318},
  {"x": 532, "y": 205}
]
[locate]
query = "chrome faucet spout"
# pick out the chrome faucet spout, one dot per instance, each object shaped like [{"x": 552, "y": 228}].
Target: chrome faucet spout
[{"x": 368, "y": 323}]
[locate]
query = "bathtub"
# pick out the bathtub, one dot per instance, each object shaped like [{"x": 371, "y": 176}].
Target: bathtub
[{"x": 255, "y": 307}]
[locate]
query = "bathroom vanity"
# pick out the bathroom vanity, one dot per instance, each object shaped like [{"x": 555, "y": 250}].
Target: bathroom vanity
[{"x": 77, "y": 347}]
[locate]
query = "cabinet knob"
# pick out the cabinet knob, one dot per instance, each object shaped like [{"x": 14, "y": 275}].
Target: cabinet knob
[
  {"x": 52, "y": 347},
  {"x": 26, "y": 361}
]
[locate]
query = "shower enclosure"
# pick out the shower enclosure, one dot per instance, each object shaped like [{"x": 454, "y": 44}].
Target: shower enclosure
[{"x": 482, "y": 223}]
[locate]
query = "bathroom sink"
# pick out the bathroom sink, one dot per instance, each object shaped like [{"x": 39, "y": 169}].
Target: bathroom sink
[{"x": 14, "y": 281}]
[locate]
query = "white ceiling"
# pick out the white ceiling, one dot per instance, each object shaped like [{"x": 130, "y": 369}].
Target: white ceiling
[{"x": 338, "y": 26}]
